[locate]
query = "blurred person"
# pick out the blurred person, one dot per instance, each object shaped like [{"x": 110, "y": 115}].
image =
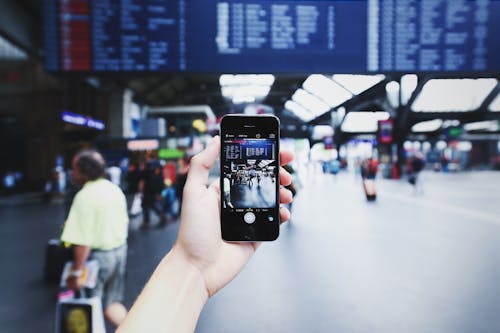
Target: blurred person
[
  {"x": 415, "y": 165},
  {"x": 152, "y": 188},
  {"x": 368, "y": 170},
  {"x": 200, "y": 262},
  {"x": 226, "y": 190},
  {"x": 97, "y": 227},
  {"x": 133, "y": 192},
  {"x": 115, "y": 174},
  {"x": 334, "y": 166}
]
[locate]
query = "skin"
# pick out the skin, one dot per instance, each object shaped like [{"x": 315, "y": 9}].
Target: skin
[{"x": 200, "y": 262}]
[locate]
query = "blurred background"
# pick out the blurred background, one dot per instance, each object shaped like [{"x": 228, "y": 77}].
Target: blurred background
[{"x": 392, "y": 108}]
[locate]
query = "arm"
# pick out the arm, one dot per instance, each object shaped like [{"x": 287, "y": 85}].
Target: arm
[
  {"x": 200, "y": 263},
  {"x": 81, "y": 254},
  {"x": 171, "y": 301}
]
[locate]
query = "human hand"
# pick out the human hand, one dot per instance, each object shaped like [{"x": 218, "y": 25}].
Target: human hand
[
  {"x": 199, "y": 241},
  {"x": 74, "y": 283}
]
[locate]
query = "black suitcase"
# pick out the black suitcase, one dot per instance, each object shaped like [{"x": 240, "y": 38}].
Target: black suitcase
[{"x": 56, "y": 256}]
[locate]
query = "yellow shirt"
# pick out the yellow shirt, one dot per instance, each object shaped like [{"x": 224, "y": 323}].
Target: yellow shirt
[{"x": 98, "y": 217}]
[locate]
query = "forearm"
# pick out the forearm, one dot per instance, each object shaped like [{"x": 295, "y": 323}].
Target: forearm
[
  {"x": 171, "y": 301},
  {"x": 81, "y": 254}
]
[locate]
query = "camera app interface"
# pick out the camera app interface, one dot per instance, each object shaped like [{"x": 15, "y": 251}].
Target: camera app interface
[{"x": 249, "y": 173}]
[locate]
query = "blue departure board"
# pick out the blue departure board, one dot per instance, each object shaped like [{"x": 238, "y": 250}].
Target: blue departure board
[{"x": 272, "y": 36}]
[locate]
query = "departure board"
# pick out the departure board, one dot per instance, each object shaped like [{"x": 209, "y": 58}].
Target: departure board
[
  {"x": 273, "y": 36},
  {"x": 434, "y": 35}
]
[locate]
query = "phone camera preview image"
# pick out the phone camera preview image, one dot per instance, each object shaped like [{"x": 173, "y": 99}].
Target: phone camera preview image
[
  {"x": 249, "y": 188},
  {"x": 249, "y": 174}
]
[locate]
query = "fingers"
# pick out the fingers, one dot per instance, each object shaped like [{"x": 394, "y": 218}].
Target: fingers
[
  {"x": 284, "y": 214},
  {"x": 286, "y": 156},
  {"x": 201, "y": 164},
  {"x": 285, "y": 196},
  {"x": 285, "y": 177},
  {"x": 216, "y": 185}
]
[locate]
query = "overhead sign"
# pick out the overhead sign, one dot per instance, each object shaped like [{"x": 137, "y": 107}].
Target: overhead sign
[
  {"x": 143, "y": 144},
  {"x": 81, "y": 120},
  {"x": 385, "y": 128},
  {"x": 256, "y": 36}
]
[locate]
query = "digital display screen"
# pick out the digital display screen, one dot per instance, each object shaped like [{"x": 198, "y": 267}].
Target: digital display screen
[
  {"x": 273, "y": 36},
  {"x": 249, "y": 173}
]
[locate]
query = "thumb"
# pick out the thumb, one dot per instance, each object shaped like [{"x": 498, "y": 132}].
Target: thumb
[{"x": 201, "y": 164}]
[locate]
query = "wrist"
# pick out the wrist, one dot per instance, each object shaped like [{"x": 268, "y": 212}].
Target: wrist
[
  {"x": 192, "y": 277},
  {"x": 75, "y": 273}
]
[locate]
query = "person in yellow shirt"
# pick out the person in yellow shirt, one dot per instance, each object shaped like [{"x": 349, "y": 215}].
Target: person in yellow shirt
[{"x": 97, "y": 227}]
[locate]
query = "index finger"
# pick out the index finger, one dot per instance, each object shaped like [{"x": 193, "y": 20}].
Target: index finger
[{"x": 286, "y": 156}]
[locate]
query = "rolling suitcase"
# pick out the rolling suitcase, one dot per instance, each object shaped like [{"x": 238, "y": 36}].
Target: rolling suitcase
[
  {"x": 56, "y": 256},
  {"x": 79, "y": 313}
]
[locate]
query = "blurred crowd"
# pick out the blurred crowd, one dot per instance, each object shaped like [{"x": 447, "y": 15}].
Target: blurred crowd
[{"x": 150, "y": 185}]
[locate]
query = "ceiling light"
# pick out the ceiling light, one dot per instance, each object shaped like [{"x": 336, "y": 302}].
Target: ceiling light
[{"x": 449, "y": 95}]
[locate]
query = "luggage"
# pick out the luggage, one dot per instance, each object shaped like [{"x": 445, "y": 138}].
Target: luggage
[
  {"x": 79, "y": 314},
  {"x": 56, "y": 256}
]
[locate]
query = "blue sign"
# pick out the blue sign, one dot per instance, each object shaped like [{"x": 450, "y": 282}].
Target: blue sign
[
  {"x": 272, "y": 36},
  {"x": 80, "y": 120}
]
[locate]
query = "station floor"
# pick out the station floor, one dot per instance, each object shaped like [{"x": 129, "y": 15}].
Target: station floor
[{"x": 411, "y": 262}]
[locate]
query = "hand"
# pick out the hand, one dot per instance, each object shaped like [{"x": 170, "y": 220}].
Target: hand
[
  {"x": 73, "y": 283},
  {"x": 199, "y": 241}
]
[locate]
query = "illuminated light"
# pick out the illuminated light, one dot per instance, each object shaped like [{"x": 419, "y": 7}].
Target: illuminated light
[
  {"x": 449, "y": 95},
  {"x": 143, "y": 145},
  {"x": 199, "y": 125},
  {"x": 10, "y": 51},
  {"x": 341, "y": 112},
  {"x": 440, "y": 145},
  {"x": 426, "y": 146},
  {"x": 407, "y": 145},
  {"x": 243, "y": 99},
  {"x": 81, "y": 120},
  {"x": 170, "y": 153},
  {"x": 427, "y": 126},
  {"x": 363, "y": 122},
  {"x": 488, "y": 125},
  {"x": 326, "y": 89},
  {"x": 451, "y": 123},
  {"x": 495, "y": 105},
  {"x": 464, "y": 146},
  {"x": 310, "y": 102},
  {"x": 321, "y": 131},
  {"x": 299, "y": 111},
  {"x": 416, "y": 145},
  {"x": 245, "y": 88},
  {"x": 392, "y": 92},
  {"x": 409, "y": 83},
  {"x": 357, "y": 84},
  {"x": 246, "y": 79}
]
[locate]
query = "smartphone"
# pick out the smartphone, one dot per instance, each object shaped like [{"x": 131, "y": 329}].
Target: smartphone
[{"x": 249, "y": 179}]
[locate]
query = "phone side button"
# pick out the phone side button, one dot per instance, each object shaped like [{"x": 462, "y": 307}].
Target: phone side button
[{"x": 249, "y": 217}]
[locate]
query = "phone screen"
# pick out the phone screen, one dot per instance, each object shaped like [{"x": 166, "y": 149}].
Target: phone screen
[{"x": 249, "y": 178}]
